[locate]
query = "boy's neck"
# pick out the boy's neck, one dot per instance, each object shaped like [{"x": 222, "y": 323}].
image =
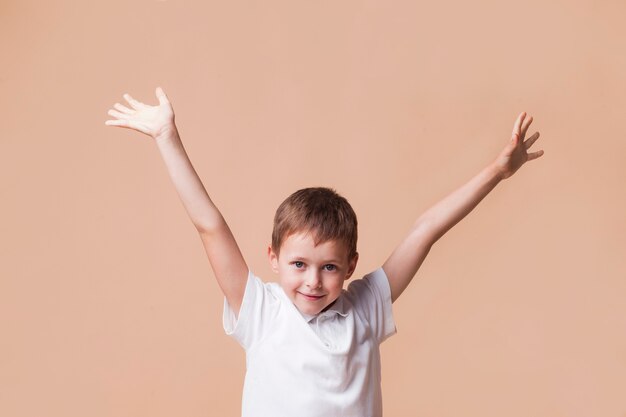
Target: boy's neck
[
  {"x": 309, "y": 316},
  {"x": 329, "y": 306}
]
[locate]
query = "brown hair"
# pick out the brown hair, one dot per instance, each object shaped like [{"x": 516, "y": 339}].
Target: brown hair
[{"x": 318, "y": 210}]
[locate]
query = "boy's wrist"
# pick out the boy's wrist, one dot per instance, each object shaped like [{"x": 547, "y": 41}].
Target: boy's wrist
[
  {"x": 167, "y": 133},
  {"x": 494, "y": 171}
]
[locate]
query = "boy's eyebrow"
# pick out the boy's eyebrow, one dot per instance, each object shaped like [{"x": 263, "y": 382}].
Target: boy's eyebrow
[{"x": 303, "y": 258}]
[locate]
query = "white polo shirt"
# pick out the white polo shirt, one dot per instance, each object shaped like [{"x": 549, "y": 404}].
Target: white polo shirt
[{"x": 309, "y": 366}]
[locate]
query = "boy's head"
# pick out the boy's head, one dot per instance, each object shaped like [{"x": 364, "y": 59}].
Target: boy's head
[
  {"x": 319, "y": 211},
  {"x": 314, "y": 247}
]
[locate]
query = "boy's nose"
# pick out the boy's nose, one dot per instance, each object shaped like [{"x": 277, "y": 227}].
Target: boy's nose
[{"x": 313, "y": 280}]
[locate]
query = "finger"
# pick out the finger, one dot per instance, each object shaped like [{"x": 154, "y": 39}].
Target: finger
[
  {"x": 527, "y": 123},
  {"x": 137, "y": 105},
  {"x": 529, "y": 142},
  {"x": 535, "y": 155},
  {"x": 123, "y": 108},
  {"x": 518, "y": 123},
  {"x": 127, "y": 124},
  {"x": 117, "y": 114},
  {"x": 162, "y": 96},
  {"x": 122, "y": 123}
]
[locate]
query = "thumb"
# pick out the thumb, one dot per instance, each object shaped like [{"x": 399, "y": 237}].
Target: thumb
[{"x": 162, "y": 96}]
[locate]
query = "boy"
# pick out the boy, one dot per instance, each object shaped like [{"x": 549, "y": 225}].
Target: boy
[{"x": 312, "y": 348}]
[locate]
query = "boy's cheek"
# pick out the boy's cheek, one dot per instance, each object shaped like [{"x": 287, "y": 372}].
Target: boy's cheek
[{"x": 286, "y": 282}]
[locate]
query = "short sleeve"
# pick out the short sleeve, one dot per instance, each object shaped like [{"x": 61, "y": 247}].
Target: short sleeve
[
  {"x": 254, "y": 314},
  {"x": 371, "y": 295}
]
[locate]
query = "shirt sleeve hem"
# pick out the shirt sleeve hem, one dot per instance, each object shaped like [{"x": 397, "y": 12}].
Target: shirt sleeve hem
[
  {"x": 382, "y": 283},
  {"x": 230, "y": 322}
]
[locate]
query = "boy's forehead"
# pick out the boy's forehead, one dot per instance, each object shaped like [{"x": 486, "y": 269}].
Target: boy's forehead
[
  {"x": 306, "y": 241},
  {"x": 310, "y": 237}
]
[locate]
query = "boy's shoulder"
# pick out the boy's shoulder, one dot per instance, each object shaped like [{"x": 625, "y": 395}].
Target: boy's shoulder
[
  {"x": 270, "y": 288},
  {"x": 375, "y": 280}
]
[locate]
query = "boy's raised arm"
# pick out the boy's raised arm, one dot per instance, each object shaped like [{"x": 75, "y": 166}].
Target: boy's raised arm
[
  {"x": 224, "y": 255},
  {"x": 406, "y": 259}
]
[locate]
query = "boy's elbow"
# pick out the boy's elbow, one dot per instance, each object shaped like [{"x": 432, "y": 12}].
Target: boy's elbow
[
  {"x": 425, "y": 233},
  {"x": 211, "y": 227}
]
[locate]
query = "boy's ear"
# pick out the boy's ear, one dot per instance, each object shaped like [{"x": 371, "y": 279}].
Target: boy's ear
[
  {"x": 273, "y": 258},
  {"x": 352, "y": 265}
]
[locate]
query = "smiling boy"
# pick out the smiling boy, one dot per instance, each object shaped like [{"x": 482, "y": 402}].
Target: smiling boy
[
  {"x": 311, "y": 275},
  {"x": 306, "y": 334},
  {"x": 313, "y": 248},
  {"x": 312, "y": 348}
]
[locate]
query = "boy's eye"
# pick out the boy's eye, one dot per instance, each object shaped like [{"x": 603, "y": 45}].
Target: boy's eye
[
  {"x": 330, "y": 267},
  {"x": 298, "y": 264}
]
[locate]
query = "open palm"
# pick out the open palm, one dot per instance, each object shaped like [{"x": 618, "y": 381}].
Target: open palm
[
  {"x": 515, "y": 154},
  {"x": 151, "y": 120}
]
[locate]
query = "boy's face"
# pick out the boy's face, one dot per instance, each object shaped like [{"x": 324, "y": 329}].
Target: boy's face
[{"x": 312, "y": 276}]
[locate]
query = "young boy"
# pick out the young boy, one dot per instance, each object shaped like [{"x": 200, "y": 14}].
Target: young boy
[{"x": 312, "y": 348}]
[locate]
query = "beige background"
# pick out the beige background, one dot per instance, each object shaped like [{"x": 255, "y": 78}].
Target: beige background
[{"x": 108, "y": 306}]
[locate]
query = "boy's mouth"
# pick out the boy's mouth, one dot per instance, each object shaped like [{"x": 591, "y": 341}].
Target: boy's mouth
[{"x": 312, "y": 297}]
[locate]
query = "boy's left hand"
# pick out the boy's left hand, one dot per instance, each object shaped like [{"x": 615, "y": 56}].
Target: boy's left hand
[
  {"x": 514, "y": 155},
  {"x": 152, "y": 120}
]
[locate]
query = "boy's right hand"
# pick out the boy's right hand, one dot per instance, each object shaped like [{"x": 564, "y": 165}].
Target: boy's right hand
[{"x": 154, "y": 121}]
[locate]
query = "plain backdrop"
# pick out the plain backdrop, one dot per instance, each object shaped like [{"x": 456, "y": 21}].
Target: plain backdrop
[{"x": 108, "y": 305}]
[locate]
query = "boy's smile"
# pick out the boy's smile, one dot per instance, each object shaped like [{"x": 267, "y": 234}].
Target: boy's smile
[{"x": 312, "y": 276}]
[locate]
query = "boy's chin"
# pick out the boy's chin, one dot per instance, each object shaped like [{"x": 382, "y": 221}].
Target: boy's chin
[
  {"x": 309, "y": 311},
  {"x": 313, "y": 310}
]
